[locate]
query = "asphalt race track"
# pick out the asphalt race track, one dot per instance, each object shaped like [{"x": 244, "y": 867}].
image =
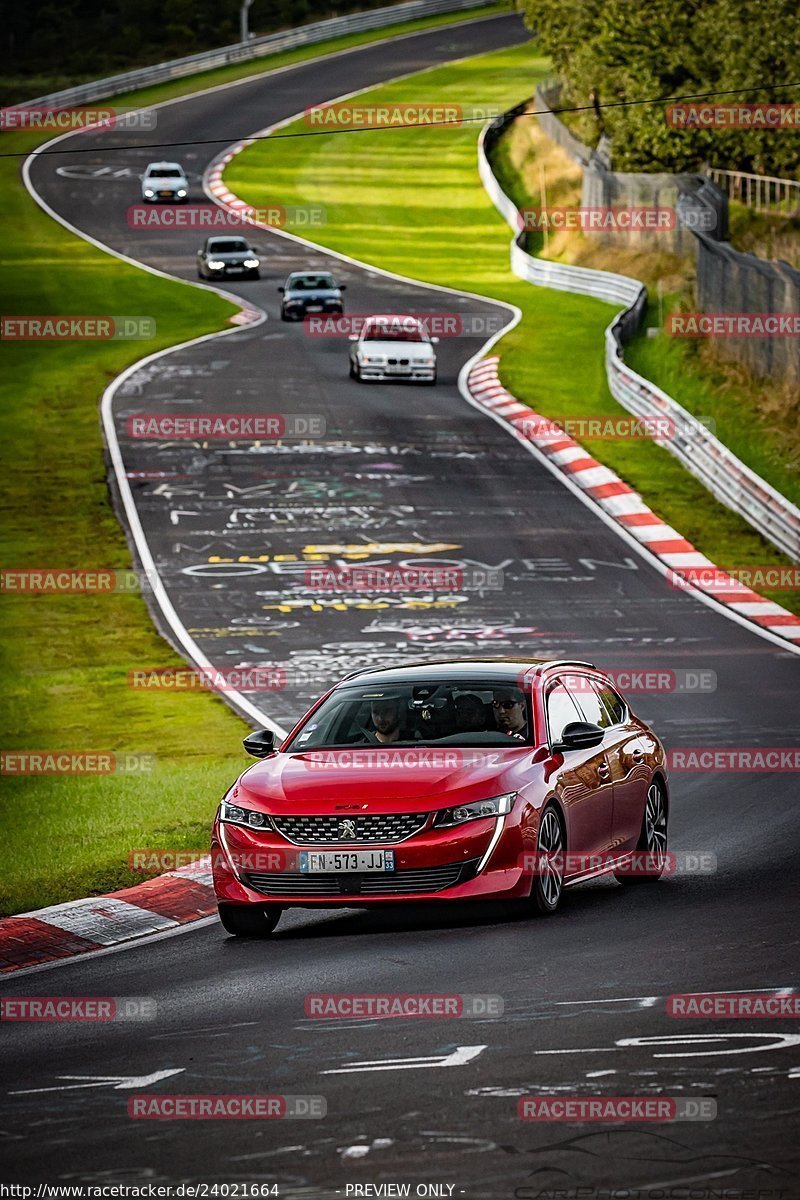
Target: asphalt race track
[{"x": 583, "y": 993}]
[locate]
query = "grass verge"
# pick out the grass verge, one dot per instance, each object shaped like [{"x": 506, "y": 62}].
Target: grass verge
[
  {"x": 410, "y": 201},
  {"x": 64, "y": 659},
  {"x": 758, "y": 419}
]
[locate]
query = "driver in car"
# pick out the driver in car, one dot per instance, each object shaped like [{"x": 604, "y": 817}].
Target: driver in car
[
  {"x": 508, "y": 706},
  {"x": 385, "y": 714}
]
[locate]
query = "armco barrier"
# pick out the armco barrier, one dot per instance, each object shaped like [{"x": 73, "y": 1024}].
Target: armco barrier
[
  {"x": 725, "y": 475},
  {"x": 304, "y": 35}
]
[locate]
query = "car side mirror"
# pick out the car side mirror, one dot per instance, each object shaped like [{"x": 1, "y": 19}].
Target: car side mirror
[
  {"x": 260, "y": 743},
  {"x": 435, "y": 341},
  {"x": 352, "y": 337},
  {"x": 280, "y": 289},
  {"x": 579, "y": 735},
  {"x": 342, "y": 287}
]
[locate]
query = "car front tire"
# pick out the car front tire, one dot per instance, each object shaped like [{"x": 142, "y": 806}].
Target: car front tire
[
  {"x": 652, "y": 843},
  {"x": 246, "y": 921},
  {"x": 548, "y": 879}
]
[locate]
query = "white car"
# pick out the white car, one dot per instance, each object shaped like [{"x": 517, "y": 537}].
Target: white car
[
  {"x": 393, "y": 346},
  {"x": 164, "y": 181}
]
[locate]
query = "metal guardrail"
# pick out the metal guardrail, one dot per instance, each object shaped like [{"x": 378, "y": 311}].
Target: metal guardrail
[
  {"x": 304, "y": 35},
  {"x": 764, "y": 193},
  {"x": 704, "y": 455}
]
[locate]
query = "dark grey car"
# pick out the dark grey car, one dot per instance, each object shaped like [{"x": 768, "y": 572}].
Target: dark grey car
[
  {"x": 225, "y": 255},
  {"x": 310, "y": 292}
]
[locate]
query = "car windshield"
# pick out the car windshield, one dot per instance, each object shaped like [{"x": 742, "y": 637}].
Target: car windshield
[
  {"x": 232, "y": 246},
  {"x": 308, "y": 283},
  {"x": 439, "y": 713},
  {"x": 399, "y": 330},
  {"x": 163, "y": 172}
]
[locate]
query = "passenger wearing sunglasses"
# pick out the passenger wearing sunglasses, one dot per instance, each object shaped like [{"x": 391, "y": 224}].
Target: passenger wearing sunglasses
[{"x": 508, "y": 706}]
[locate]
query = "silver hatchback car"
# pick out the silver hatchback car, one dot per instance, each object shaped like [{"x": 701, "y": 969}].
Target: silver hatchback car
[{"x": 164, "y": 181}]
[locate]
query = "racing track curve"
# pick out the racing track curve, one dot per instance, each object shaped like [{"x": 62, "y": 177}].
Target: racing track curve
[{"x": 405, "y": 465}]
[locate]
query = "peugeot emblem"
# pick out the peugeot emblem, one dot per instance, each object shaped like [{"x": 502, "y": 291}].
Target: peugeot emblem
[{"x": 346, "y": 829}]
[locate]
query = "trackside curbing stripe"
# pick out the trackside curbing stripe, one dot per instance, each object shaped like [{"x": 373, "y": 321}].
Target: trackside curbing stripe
[{"x": 627, "y": 508}]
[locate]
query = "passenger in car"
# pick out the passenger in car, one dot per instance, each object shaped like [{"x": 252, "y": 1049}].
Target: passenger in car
[{"x": 470, "y": 713}]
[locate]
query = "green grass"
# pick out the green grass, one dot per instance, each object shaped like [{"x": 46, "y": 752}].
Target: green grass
[
  {"x": 410, "y": 201},
  {"x": 64, "y": 660},
  {"x": 766, "y": 437}
]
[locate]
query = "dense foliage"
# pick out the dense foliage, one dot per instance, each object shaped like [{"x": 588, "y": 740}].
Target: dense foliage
[
  {"x": 91, "y": 38},
  {"x": 629, "y": 50}
]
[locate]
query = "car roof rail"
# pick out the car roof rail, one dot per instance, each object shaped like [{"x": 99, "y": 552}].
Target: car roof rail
[{"x": 565, "y": 662}]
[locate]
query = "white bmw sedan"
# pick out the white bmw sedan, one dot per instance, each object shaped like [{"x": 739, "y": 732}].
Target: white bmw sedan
[{"x": 393, "y": 346}]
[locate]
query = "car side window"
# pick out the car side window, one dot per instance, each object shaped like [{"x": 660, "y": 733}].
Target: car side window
[
  {"x": 613, "y": 703},
  {"x": 589, "y": 702},
  {"x": 561, "y": 711}
]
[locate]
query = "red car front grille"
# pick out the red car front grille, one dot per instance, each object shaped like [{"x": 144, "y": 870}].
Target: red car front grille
[{"x": 350, "y": 831}]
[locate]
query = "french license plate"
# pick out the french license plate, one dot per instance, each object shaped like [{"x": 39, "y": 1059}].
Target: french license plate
[
  {"x": 235, "y": 270},
  {"x": 313, "y": 308},
  {"x": 390, "y": 370},
  {"x": 332, "y": 862},
  {"x": 165, "y": 195}
]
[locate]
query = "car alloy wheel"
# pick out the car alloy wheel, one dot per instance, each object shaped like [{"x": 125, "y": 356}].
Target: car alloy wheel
[
  {"x": 651, "y": 851},
  {"x": 548, "y": 883},
  {"x": 244, "y": 921}
]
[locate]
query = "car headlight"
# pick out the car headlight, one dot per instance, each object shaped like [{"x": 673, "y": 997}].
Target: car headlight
[
  {"x": 182, "y": 191},
  {"x": 497, "y": 806},
  {"x": 252, "y": 263},
  {"x": 371, "y": 358},
  {"x": 215, "y": 265},
  {"x": 235, "y": 815},
  {"x": 149, "y": 193}
]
